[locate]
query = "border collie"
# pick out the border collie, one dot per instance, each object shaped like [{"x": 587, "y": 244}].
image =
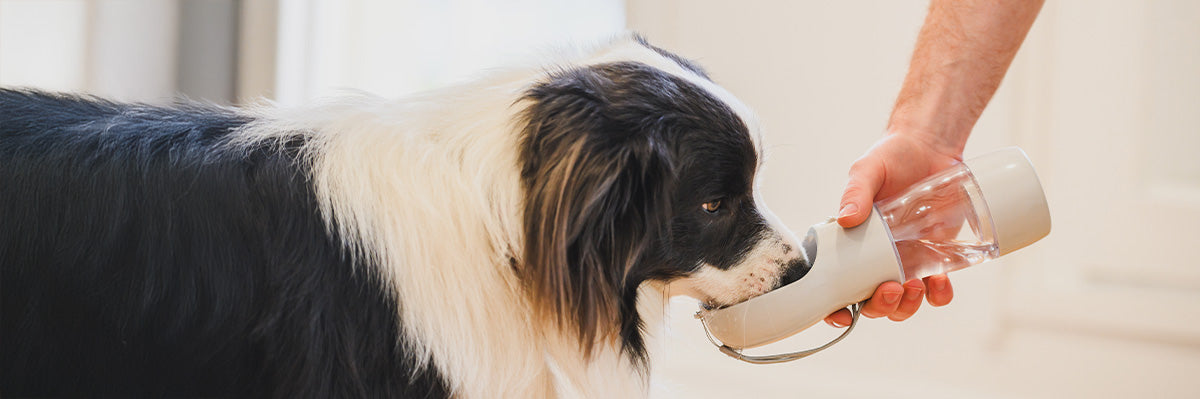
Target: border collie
[{"x": 509, "y": 237}]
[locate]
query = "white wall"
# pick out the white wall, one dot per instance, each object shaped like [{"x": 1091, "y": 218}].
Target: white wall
[
  {"x": 397, "y": 47},
  {"x": 133, "y": 50},
  {"x": 1104, "y": 98},
  {"x": 42, "y": 43}
]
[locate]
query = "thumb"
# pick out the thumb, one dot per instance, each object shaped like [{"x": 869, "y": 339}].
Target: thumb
[{"x": 866, "y": 177}]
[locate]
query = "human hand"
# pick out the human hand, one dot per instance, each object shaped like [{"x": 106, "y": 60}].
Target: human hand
[{"x": 891, "y": 165}]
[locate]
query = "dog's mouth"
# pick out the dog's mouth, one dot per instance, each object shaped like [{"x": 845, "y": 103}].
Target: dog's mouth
[{"x": 793, "y": 271}]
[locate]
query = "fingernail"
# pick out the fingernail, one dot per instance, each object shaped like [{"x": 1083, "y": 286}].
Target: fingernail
[
  {"x": 835, "y": 324},
  {"x": 939, "y": 284},
  {"x": 913, "y": 294},
  {"x": 848, "y": 210},
  {"x": 891, "y": 297}
]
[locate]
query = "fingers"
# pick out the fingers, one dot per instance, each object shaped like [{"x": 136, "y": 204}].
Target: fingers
[
  {"x": 940, "y": 292},
  {"x": 840, "y": 318},
  {"x": 911, "y": 301},
  {"x": 898, "y": 302},
  {"x": 885, "y": 300},
  {"x": 866, "y": 177}
]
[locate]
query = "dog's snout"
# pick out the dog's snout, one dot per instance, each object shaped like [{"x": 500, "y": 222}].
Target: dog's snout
[{"x": 794, "y": 270}]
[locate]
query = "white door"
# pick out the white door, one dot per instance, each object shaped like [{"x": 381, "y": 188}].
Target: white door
[{"x": 1109, "y": 99}]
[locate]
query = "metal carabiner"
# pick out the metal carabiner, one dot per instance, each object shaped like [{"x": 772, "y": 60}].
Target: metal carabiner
[{"x": 855, "y": 311}]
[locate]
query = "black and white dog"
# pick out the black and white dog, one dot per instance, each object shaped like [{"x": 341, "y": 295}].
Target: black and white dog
[{"x": 506, "y": 238}]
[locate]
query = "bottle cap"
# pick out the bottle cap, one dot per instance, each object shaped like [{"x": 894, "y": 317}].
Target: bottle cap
[{"x": 1014, "y": 197}]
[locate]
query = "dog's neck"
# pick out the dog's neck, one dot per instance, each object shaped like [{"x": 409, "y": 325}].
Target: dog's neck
[{"x": 610, "y": 371}]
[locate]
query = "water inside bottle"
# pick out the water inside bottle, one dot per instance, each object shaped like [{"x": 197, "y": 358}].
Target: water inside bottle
[
  {"x": 921, "y": 258},
  {"x": 940, "y": 224}
]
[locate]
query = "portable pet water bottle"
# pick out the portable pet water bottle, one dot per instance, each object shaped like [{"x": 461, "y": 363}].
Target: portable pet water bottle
[{"x": 968, "y": 214}]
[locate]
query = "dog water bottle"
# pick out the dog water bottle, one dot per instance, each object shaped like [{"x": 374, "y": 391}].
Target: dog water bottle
[{"x": 973, "y": 212}]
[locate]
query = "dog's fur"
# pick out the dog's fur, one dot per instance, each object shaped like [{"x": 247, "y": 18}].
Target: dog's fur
[{"x": 504, "y": 238}]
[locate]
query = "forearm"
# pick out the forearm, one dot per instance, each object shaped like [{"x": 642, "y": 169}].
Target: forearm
[{"x": 961, "y": 55}]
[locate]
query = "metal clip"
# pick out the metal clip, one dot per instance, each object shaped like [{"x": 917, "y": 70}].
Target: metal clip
[{"x": 855, "y": 311}]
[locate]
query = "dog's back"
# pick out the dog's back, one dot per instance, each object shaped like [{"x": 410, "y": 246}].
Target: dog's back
[{"x": 141, "y": 254}]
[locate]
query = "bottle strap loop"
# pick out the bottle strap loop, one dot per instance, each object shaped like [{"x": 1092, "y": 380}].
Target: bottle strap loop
[{"x": 855, "y": 311}]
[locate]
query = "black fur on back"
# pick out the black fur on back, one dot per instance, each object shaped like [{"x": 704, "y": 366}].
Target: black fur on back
[{"x": 141, "y": 256}]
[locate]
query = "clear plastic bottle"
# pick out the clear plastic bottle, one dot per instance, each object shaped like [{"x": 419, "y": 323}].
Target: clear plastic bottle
[{"x": 940, "y": 224}]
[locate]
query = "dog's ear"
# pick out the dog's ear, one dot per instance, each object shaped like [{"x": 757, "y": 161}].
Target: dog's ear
[{"x": 597, "y": 180}]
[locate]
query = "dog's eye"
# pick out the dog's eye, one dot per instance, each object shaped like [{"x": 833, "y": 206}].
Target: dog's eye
[{"x": 711, "y": 206}]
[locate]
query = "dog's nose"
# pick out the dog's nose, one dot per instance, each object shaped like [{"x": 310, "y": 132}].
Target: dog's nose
[{"x": 793, "y": 271}]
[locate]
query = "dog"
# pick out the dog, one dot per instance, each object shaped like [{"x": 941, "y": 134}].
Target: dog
[{"x": 515, "y": 236}]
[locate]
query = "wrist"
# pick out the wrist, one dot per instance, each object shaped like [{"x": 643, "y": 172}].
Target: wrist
[{"x": 941, "y": 139}]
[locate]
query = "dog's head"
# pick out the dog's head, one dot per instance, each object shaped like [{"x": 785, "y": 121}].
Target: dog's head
[{"x": 637, "y": 167}]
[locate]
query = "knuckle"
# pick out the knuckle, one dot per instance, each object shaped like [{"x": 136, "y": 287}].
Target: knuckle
[
  {"x": 853, "y": 189},
  {"x": 859, "y": 165}
]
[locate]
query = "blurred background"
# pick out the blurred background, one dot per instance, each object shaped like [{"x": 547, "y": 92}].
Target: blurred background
[{"x": 1104, "y": 96}]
